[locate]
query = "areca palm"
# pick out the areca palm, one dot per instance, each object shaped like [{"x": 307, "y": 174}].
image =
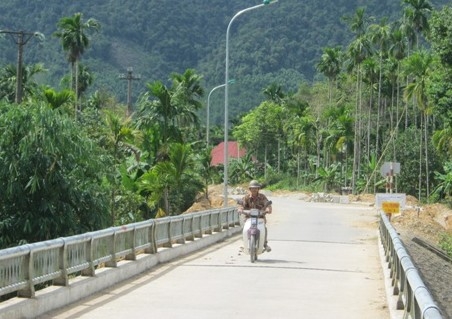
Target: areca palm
[
  {"x": 160, "y": 111},
  {"x": 170, "y": 111},
  {"x": 72, "y": 32},
  {"x": 274, "y": 93},
  {"x": 172, "y": 183},
  {"x": 8, "y": 80},
  {"x": 340, "y": 134},
  {"x": 330, "y": 65},
  {"x": 416, "y": 15},
  {"x": 358, "y": 23},
  {"x": 358, "y": 50},
  {"x": 418, "y": 67},
  {"x": 186, "y": 97},
  {"x": 58, "y": 99},
  {"x": 371, "y": 74},
  {"x": 121, "y": 137},
  {"x": 397, "y": 50},
  {"x": 442, "y": 140},
  {"x": 380, "y": 35}
]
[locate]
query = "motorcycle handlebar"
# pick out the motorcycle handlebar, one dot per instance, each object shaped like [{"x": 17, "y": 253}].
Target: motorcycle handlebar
[{"x": 247, "y": 212}]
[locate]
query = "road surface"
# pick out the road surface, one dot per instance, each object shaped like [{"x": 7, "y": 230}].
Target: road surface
[{"x": 324, "y": 263}]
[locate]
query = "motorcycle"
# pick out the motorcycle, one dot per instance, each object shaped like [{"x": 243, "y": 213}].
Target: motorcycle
[{"x": 253, "y": 233}]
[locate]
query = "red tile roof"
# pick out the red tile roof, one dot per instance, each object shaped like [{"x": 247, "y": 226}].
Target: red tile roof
[{"x": 234, "y": 151}]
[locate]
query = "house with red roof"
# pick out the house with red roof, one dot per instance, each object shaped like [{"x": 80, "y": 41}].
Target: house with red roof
[{"x": 234, "y": 151}]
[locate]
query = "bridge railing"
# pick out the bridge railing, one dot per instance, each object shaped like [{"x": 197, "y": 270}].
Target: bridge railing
[
  {"x": 54, "y": 261},
  {"x": 413, "y": 296}
]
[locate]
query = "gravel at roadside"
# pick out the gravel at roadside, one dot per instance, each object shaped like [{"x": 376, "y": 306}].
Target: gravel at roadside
[{"x": 435, "y": 272}]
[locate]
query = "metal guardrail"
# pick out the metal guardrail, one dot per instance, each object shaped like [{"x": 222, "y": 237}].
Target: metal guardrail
[
  {"x": 55, "y": 261},
  {"x": 413, "y": 296}
]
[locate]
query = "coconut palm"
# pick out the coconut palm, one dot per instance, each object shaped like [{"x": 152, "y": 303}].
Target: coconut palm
[{"x": 72, "y": 32}]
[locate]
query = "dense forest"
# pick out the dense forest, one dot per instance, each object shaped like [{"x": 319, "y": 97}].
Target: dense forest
[
  {"x": 324, "y": 94},
  {"x": 280, "y": 43}
]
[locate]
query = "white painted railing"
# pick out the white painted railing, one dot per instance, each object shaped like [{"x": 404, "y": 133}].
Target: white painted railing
[
  {"x": 413, "y": 296},
  {"x": 53, "y": 262}
]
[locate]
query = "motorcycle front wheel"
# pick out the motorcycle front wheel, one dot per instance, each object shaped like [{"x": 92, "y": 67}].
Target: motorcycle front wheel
[{"x": 253, "y": 248}]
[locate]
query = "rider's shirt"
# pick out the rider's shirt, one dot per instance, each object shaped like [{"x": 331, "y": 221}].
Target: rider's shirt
[{"x": 259, "y": 202}]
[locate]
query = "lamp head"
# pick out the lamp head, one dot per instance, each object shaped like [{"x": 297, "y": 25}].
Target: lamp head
[{"x": 39, "y": 35}]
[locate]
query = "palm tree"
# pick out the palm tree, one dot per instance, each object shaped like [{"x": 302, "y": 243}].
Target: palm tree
[
  {"x": 74, "y": 40},
  {"x": 274, "y": 93},
  {"x": 418, "y": 66},
  {"x": 380, "y": 36},
  {"x": 159, "y": 110},
  {"x": 358, "y": 51},
  {"x": 340, "y": 135},
  {"x": 416, "y": 15},
  {"x": 172, "y": 181},
  {"x": 358, "y": 23},
  {"x": 57, "y": 99},
  {"x": 370, "y": 74},
  {"x": 398, "y": 50},
  {"x": 8, "y": 80},
  {"x": 330, "y": 65},
  {"x": 121, "y": 136},
  {"x": 442, "y": 139},
  {"x": 186, "y": 94}
]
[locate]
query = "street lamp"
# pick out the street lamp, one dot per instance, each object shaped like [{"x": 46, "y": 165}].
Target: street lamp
[
  {"x": 208, "y": 109},
  {"x": 21, "y": 38},
  {"x": 226, "y": 92},
  {"x": 129, "y": 77}
]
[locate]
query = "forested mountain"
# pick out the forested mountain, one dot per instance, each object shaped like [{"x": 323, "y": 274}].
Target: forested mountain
[
  {"x": 280, "y": 43},
  {"x": 382, "y": 94}
]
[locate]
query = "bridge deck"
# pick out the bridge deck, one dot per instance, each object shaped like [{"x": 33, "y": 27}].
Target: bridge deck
[{"x": 325, "y": 263}]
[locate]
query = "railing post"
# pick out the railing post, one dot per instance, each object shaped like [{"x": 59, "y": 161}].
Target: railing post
[
  {"x": 151, "y": 238},
  {"x": 113, "y": 262},
  {"x": 62, "y": 256},
  {"x": 90, "y": 271},
  {"x": 28, "y": 292},
  {"x": 133, "y": 255}
]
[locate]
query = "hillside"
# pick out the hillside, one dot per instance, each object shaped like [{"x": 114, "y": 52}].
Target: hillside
[{"x": 279, "y": 43}]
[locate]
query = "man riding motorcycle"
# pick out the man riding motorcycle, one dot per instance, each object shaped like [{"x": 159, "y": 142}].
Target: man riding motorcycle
[{"x": 254, "y": 199}]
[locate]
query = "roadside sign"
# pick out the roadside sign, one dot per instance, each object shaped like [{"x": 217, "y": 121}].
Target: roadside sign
[
  {"x": 391, "y": 207},
  {"x": 399, "y": 198},
  {"x": 387, "y": 167}
]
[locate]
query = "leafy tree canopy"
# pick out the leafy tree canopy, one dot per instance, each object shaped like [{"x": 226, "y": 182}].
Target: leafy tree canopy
[{"x": 51, "y": 176}]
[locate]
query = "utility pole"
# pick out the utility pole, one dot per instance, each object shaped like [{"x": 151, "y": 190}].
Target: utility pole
[
  {"x": 20, "y": 38},
  {"x": 129, "y": 77}
]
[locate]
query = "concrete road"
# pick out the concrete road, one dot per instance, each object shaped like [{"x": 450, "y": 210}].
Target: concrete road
[{"x": 324, "y": 263}]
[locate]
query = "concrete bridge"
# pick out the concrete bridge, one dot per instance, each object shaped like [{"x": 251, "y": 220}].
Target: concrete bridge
[{"x": 327, "y": 261}]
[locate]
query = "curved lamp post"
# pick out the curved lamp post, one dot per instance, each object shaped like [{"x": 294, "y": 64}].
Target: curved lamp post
[
  {"x": 226, "y": 92},
  {"x": 208, "y": 109},
  {"x": 21, "y": 38}
]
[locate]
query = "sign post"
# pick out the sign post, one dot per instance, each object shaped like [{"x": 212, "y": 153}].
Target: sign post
[{"x": 388, "y": 170}]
